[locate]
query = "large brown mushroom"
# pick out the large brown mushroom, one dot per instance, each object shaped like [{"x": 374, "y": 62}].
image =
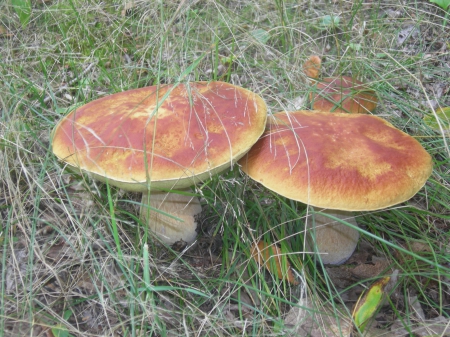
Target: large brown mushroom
[
  {"x": 162, "y": 138},
  {"x": 338, "y": 161}
]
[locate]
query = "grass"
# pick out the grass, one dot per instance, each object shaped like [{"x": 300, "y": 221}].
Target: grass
[{"x": 75, "y": 258}]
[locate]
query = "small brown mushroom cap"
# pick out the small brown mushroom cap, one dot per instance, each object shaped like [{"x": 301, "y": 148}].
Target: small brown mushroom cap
[
  {"x": 338, "y": 160},
  {"x": 169, "y": 135},
  {"x": 343, "y": 94},
  {"x": 311, "y": 67}
]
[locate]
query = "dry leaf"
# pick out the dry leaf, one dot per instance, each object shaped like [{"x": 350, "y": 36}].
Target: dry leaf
[
  {"x": 270, "y": 255},
  {"x": 438, "y": 326},
  {"x": 307, "y": 319},
  {"x": 372, "y": 269}
]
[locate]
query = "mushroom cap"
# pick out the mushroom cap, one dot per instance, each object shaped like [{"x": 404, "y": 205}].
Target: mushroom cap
[
  {"x": 343, "y": 94},
  {"x": 312, "y": 66},
  {"x": 338, "y": 160},
  {"x": 168, "y": 135}
]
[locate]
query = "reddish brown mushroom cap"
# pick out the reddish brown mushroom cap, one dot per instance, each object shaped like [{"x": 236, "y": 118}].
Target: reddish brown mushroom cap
[
  {"x": 312, "y": 66},
  {"x": 167, "y": 134},
  {"x": 343, "y": 94},
  {"x": 338, "y": 160}
]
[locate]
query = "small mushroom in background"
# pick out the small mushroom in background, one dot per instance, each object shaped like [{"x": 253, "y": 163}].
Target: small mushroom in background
[
  {"x": 162, "y": 138},
  {"x": 343, "y": 94},
  {"x": 338, "y": 161},
  {"x": 311, "y": 68},
  {"x": 340, "y": 93}
]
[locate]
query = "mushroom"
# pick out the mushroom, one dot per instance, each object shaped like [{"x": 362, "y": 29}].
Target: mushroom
[
  {"x": 334, "y": 240},
  {"x": 343, "y": 94},
  {"x": 338, "y": 161},
  {"x": 338, "y": 94},
  {"x": 162, "y": 138},
  {"x": 175, "y": 218},
  {"x": 311, "y": 68}
]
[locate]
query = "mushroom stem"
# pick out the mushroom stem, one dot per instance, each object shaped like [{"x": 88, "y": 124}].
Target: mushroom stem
[
  {"x": 171, "y": 216},
  {"x": 333, "y": 240}
]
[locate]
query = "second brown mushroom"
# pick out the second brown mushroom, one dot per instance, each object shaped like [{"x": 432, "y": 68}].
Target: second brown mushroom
[{"x": 337, "y": 161}]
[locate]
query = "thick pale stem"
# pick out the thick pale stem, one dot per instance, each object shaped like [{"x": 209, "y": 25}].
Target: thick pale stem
[
  {"x": 175, "y": 218},
  {"x": 334, "y": 240}
]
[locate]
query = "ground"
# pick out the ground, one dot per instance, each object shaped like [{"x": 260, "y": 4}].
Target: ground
[{"x": 77, "y": 261}]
